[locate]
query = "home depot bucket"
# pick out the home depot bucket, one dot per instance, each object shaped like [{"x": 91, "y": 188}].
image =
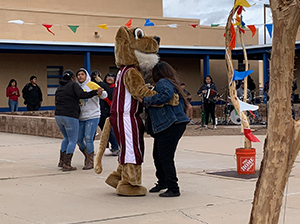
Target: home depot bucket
[{"x": 245, "y": 159}]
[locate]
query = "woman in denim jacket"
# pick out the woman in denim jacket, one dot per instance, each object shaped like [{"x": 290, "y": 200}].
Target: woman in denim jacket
[{"x": 166, "y": 125}]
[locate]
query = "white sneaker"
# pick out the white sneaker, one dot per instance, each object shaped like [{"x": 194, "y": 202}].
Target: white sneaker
[
  {"x": 192, "y": 122},
  {"x": 215, "y": 126},
  {"x": 107, "y": 152},
  {"x": 205, "y": 126}
]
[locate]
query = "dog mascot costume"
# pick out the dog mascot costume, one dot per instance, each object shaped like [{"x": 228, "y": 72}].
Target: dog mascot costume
[{"x": 134, "y": 52}]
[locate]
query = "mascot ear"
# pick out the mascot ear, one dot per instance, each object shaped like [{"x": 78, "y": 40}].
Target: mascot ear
[
  {"x": 124, "y": 54},
  {"x": 122, "y": 34}
]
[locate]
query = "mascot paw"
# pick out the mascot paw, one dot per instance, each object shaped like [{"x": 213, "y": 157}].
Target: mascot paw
[
  {"x": 174, "y": 101},
  {"x": 126, "y": 189},
  {"x": 98, "y": 169},
  {"x": 113, "y": 179}
]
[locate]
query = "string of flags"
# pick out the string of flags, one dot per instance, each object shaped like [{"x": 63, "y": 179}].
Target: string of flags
[
  {"x": 148, "y": 22},
  {"x": 74, "y": 28}
]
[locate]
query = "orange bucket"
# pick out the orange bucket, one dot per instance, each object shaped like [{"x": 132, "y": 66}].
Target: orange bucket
[{"x": 245, "y": 159}]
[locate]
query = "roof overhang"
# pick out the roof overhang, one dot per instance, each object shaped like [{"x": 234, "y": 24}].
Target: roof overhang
[{"x": 56, "y": 47}]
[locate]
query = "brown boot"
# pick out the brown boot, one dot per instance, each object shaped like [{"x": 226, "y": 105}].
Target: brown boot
[
  {"x": 67, "y": 163},
  {"x": 90, "y": 162},
  {"x": 61, "y": 159},
  {"x": 84, "y": 152}
]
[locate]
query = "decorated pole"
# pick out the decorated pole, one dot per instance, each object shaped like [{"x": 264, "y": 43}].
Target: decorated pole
[
  {"x": 247, "y": 144},
  {"x": 230, "y": 37}
]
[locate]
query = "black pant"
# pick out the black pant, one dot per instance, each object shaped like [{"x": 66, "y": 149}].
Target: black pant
[
  {"x": 165, "y": 144},
  {"x": 31, "y": 107},
  {"x": 209, "y": 109}
]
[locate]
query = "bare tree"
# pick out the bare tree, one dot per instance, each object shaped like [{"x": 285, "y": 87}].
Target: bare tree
[{"x": 282, "y": 143}]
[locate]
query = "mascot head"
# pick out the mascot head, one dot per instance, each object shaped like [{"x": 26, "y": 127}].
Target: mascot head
[{"x": 133, "y": 47}]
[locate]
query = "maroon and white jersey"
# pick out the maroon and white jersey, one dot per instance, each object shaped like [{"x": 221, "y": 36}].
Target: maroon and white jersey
[{"x": 128, "y": 126}]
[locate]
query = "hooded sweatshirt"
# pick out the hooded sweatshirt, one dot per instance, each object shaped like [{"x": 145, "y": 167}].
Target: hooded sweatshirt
[{"x": 90, "y": 108}]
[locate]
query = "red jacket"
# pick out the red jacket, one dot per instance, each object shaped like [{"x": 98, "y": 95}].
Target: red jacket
[{"x": 9, "y": 93}]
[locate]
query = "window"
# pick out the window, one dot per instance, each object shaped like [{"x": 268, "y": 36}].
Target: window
[{"x": 54, "y": 74}]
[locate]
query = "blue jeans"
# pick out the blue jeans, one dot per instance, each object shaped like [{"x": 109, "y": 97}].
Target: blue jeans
[
  {"x": 69, "y": 127},
  {"x": 13, "y": 105},
  {"x": 113, "y": 140},
  {"x": 87, "y": 130}
]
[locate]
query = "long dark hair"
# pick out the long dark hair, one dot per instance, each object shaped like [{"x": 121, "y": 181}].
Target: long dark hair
[
  {"x": 211, "y": 80},
  {"x": 11, "y": 81},
  {"x": 164, "y": 70}
]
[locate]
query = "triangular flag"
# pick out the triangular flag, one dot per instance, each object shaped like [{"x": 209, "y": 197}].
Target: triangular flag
[
  {"x": 103, "y": 26},
  {"x": 270, "y": 29},
  {"x": 128, "y": 24},
  {"x": 233, "y": 37},
  {"x": 20, "y": 22},
  {"x": 172, "y": 25},
  {"x": 73, "y": 28},
  {"x": 148, "y": 23},
  {"x": 243, "y": 3},
  {"x": 240, "y": 75},
  {"x": 246, "y": 106},
  {"x": 248, "y": 134},
  {"x": 242, "y": 30},
  {"x": 253, "y": 29},
  {"x": 193, "y": 25},
  {"x": 239, "y": 11},
  {"x": 214, "y": 25},
  {"x": 48, "y": 26}
]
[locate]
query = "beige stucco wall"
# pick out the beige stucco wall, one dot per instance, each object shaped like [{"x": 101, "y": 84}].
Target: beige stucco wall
[
  {"x": 133, "y": 8},
  {"x": 88, "y": 14}
]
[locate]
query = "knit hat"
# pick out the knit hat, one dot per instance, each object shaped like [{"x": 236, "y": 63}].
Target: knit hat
[
  {"x": 182, "y": 84},
  {"x": 67, "y": 74}
]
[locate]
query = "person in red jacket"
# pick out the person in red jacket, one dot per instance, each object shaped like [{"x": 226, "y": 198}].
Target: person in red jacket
[{"x": 12, "y": 92}]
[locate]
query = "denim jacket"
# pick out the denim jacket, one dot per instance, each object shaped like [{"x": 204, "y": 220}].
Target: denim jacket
[{"x": 163, "y": 117}]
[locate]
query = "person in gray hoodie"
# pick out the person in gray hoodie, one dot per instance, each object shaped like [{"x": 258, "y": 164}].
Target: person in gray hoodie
[{"x": 89, "y": 117}]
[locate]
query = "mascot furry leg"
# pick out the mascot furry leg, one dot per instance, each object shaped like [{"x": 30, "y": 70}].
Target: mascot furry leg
[{"x": 127, "y": 178}]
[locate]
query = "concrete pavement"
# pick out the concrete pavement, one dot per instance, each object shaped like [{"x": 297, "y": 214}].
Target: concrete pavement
[{"x": 33, "y": 190}]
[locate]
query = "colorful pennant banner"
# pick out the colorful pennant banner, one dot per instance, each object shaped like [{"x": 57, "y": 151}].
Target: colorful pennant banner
[
  {"x": 48, "y": 26},
  {"x": 270, "y": 29},
  {"x": 243, "y": 3},
  {"x": 73, "y": 28},
  {"x": 148, "y": 23},
  {"x": 246, "y": 106},
  {"x": 103, "y": 26},
  {"x": 240, "y": 75},
  {"x": 248, "y": 134},
  {"x": 129, "y": 23},
  {"x": 193, "y": 25}
]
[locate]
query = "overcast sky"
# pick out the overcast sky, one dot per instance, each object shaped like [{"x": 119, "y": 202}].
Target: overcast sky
[{"x": 216, "y": 12}]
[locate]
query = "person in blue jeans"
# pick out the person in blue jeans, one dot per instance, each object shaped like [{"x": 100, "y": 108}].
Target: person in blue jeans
[
  {"x": 166, "y": 125},
  {"x": 13, "y": 93},
  {"x": 89, "y": 117},
  {"x": 67, "y": 112}
]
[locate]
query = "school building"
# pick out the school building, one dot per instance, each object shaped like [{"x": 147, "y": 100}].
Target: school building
[{"x": 27, "y": 48}]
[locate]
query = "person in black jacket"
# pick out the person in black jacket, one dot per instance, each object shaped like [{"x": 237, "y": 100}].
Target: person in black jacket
[
  {"x": 210, "y": 96},
  {"x": 32, "y": 95},
  {"x": 67, "y": 112},
  {"x": 108, "y": 85}
]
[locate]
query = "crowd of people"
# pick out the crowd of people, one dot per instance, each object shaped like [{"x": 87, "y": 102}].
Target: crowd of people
[{"x": 83, "y": 101}]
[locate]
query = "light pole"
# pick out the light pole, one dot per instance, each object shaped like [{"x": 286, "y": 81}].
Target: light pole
[{"x": 265, "y": 20}]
